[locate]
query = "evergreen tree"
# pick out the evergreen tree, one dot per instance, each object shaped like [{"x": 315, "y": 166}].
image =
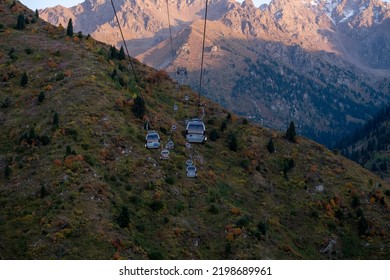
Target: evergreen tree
[
  {"x": 69, "y": 29},
  {"x": 43, "y": 191},
  {"x": 232, "y": 142},
  {"x": 24, "y": 80},
  {"x": 32, "y": 135},
  {"x": 223, "y": 126},
  {"x": 21, "y": 23},
  {"x": 139, "y": 107},
  {"x": 113, "y": 53},
  {"x": 41, "y": 96},
  {"x": 121, "y": 55},
  {"x": 36, "y": 14},
  {"x": 290, "y": 133},
  {"x": 114, "y": 74},
  {"x": 55, "y": 120},
  {"x": 7, "y": 171},
  {"x": 271, "y": 146},
  {"x": 124, "y": 217},
  {"x": 229, "y": 117}
]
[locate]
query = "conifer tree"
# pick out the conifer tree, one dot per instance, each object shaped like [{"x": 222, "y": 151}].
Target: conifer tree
[
  {"x": 124, "y": 217},
  {"x": 24, "y": 80},
  {"x": 139, "y": 107},
  {"x": 69, "y": 29},
  {"x": 114, "y": 74},
  {"x": 271, "y": 146},
  {"x": 113, "y": 53},
  {"x": 223, "y": 126},
  {"x": 121, "y": 55},
  {"x": 21, "y": 23},
  {"x": 41, "y": 96},
  {"x": 55, "y": 120},
  {"x": 290, "y": 133},
  {"x": 7, "y": 171},
  {"x": 232, "y": 142}
]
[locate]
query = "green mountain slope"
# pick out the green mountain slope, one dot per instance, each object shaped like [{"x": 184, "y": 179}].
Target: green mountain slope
[
  {"x": 369, "y": 146},
  {"x": 77, "y": 182}
]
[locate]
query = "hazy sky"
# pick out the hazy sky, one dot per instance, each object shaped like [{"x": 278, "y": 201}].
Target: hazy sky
[{"x": 34, "y": 4}]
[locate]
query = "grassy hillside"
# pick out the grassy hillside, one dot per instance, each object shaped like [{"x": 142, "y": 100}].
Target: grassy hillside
[{"x": 77, "y": 182}]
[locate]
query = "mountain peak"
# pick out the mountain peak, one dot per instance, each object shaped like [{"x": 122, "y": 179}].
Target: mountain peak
[{"x": 248, "y": 3}]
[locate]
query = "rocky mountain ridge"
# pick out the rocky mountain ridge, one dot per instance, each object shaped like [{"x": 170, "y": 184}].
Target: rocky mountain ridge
[{"x": 338, "y": 48}]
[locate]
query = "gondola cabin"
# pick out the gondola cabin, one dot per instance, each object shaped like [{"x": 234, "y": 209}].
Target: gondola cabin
[
  {"x": 164, "y": 154},
  {"x": 196, "y": 132},
  {"x": 191, "y": 171},
  {"x": 152, "y": 140}
]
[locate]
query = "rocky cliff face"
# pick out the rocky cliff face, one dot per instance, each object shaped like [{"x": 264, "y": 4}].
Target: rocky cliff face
[
  {"x": 143, "y": 21},
  {"x": 317, "y": 62}
]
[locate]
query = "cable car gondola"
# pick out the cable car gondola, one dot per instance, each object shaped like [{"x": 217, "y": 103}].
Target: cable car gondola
[
  {"x": 196, "y": 131},
  {"x": 191, "y": 171},
  {"x": 152, "y": 140},
  {"x": 164, "y": 154}
]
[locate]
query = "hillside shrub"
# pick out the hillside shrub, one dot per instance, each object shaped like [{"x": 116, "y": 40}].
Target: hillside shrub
[
  {"x": 214, "y": 135},
  {"x": 262, "y": 227},
  {"x": 44, "y": 140},
  {"x": 60, "y": 76},
  {"x": 5, "y": 104},
  {"x": 28, "y": 50},
  {"x": 157, "y": 205},
  {"x": 213, "y": 209},
  {"x": 155, "y": 255},
  {"x": 245, "y": 163},
  {"x": 243, "y": 221},
  {"x": 355, "y": 202},
  {"x": 12, "y": 55},
  {"x": 170, "y": 181},
  {"x": 350, "y": 247}
]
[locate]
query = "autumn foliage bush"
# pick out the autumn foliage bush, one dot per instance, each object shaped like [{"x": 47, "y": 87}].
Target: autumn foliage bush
[{"x": 157, "y": 77}]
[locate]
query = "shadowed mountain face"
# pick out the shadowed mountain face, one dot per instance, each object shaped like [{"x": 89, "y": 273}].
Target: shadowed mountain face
[
  {"x": 77, "y": 182},
  {"x": 318, "y": 62}
]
